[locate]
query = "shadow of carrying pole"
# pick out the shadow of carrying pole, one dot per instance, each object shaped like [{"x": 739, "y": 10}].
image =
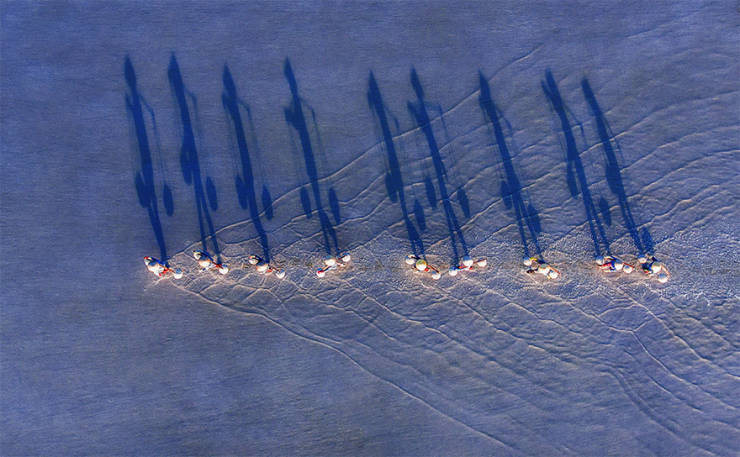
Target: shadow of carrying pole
[
  {"x": 421, "y": 116},
  {"x": 513, "y": 188},
  {"x": 189, "y": 159},
  {"x": 144, "y": 181},
  {"x": 575, "y": 166},
  {"x": 245, "y": 183},
  {"x": 613, "y": 173},
  {"x": 394, "y": 181},
  {"x": 295, "y": 118}
]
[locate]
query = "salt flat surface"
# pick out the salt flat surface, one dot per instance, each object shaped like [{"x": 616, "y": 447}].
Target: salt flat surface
[{"x": 293, "y": 131}]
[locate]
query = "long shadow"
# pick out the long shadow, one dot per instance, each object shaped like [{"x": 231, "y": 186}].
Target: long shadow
[
  {"x": 419, "y": 113},
  {"x": 576, "y": 174},
  {"x": 295, "y": 118},
  {"x": 189, "y": 159},
  {"x": 511, "y": 188},
  {"x": 393, "y": 178},
  {"x": 245, "y": 182},
  {"x": 144, "y": 180},
  {"x": 462, "y": 196},
  {"x": 613, "y": 173}
]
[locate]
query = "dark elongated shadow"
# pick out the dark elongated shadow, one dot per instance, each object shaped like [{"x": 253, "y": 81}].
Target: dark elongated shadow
[
  {"x": 245, "y": 181},
  {"x": 295, "y": 117},
  {"x": 612, "y": 169},
  {"x": 169, "y": 203},
  {"x": 647, "y": 241},
  {"x": 144, "y": 180},
  {"x": 462, "y": 196},
  {"x": 576, "y": 174},
  {"x": 189, "y": 160},
  {"x": 157, "y": 155},
  {"x": 431, "y": 193},
  {"x": 512, "y": 188},
  {"x": 421, "y": 116},
  {"x": 393, "y": 178},
  {"x": 334, "y": 206}
]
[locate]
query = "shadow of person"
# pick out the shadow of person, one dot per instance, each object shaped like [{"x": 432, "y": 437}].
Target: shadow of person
[
  {"x": 144, "y": 180},
  {"x": 189, "y": 159},
  {"x": 419, "y": 113},
  {"x": 245, "y": 180},
  {"x": 511, "y": 188},
  {"x": 393, "y": 178},
  {"x": 577, "y": 181},
  {"x": 612, "y": 169},
  {"x": 295, "y": 118}
]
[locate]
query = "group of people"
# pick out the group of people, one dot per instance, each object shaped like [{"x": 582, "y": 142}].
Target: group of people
[
  {"x": 467, "y": 264},
  {"x": 537, "y": 265},
  {"x": 207, "y": 263},
  {"x": 161, "y": 268},
  {"x": 649, "y": 265}
]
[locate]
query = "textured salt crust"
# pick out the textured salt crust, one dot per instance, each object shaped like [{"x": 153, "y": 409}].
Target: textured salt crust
[{"x": 375, "y": 360}]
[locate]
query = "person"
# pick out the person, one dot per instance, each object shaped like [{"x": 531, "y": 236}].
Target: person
[
  {"x": 155, "y": 266},
  {"x": 206, "y": 262},
  {"x": 341, "y": 260},
  {"x": 264, "y": 268},
  {"x": 609, "y": 264},
  {"x": 467, "y": 265},
  {"x": 535, "y": 265},
  {"x": 422, "y": 266},
  {"x": 649, "y": 264},
  {"x": 332, "y": 263},
  {"x": 160, "y": 269},
  {"x": 651, "y": 267}
]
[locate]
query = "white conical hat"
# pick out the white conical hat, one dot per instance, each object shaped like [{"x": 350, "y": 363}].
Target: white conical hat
[
  {"x": 330, "y": 261},
  {"x": 262, "y": 267},
  {"x": 467, "y": 261},
  {"x": 410, "y": 259}
]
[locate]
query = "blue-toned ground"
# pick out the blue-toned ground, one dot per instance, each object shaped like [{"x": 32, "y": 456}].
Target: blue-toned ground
[{"x": 292, "y": 130}]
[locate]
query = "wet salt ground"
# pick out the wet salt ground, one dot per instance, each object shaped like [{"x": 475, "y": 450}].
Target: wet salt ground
[{"x": 375, "y": 360}]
